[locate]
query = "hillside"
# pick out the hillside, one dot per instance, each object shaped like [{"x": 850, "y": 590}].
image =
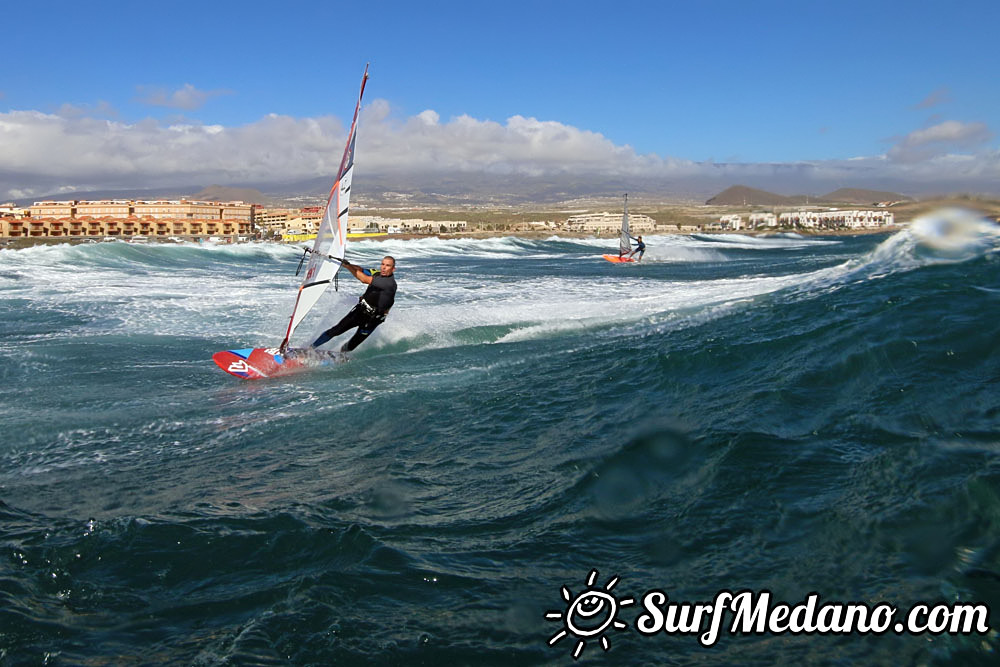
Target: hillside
[
  {"x": 225, "y": 193},
  {"x": 210, "y": 193},
  {"x": 859, "y": 196},
  {"x": 740, "y": 195}
]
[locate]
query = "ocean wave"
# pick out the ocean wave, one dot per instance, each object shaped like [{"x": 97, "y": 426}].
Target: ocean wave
[
  {"x": 500, "y": 246},
  {"x": 946, "y": 236},
  {"x": 512, "y": 426},
  {"x": 949, "y": 236},
  {"x": 763, "y": 242},
  {"x": 154, "y": 252},
  {"x": 651, "y": 468},
  {"x": 176, "y": 570},
  {"x": 186, "y": 254},
  {"x": 241, "y": 295}
]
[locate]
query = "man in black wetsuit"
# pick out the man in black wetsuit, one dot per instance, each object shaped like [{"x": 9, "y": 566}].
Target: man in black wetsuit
[
  {"x": 640, "y": 248},
  {"x": 372, "y": 307}
]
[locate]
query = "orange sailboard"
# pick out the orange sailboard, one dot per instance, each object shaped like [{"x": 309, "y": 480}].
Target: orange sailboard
[{"x": 616, "y": 259}]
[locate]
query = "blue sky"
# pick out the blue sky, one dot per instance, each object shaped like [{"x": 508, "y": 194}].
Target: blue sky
[{"x": 904, "y": 90}]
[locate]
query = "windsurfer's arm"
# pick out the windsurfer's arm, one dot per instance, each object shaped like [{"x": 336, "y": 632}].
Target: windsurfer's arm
[{"x": 357, "y": 272}]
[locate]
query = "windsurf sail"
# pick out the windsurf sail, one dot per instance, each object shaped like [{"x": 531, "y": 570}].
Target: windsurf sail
[
  {"x": 331, "y": 237},
  {"x": 624, "y": 240}
]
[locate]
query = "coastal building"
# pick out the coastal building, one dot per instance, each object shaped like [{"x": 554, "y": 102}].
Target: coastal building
[
  {"x": 267, "y": 217},
  {"x": 296, "y": 225},
  {"x": 288, "y": 221},
  {"x": 122, "y": 227},
  {"x": 731, "y": 222},
  {"x": 128, "y": 218},
  {"x": 161, "y": 209},
  {"x": 272, "y": 221},
  {"x": 408, "y": 225},
  {"x": 609, "y": 222},
  {"x": 868, "y": 219},
  {"x": 191, "y": 210},
  {"x": 807, "y": 219},
  {"x": 52, "y": 209},
  {"x": 117, "y": 208},
  {"x": 11, "y": 210},
  {"x": 11, "y": 226},
  {"x": 762, "y": 220},
  {"x": 837, "y": 219}
]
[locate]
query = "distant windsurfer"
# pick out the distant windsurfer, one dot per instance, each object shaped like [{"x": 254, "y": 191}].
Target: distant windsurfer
[
  {"x": 639, "y": 248},
  {"x": 373, "y": 305}
]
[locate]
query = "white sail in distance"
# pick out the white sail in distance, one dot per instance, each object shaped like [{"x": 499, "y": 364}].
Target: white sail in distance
[
  {"x": 331, "y": 237},
  {"x": 624, "y": 240}
]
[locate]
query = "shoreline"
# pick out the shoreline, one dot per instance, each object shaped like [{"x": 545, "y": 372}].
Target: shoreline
[
  {"x": 19, "y": 243},
  {"x": 541, "y": 235}
]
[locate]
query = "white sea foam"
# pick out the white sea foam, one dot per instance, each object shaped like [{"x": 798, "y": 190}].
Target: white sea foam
[
  {"x": 434, "y": 247},
  {"x": 243, "y": 294},
  {"x": 559, "y": 306},
  {"x": 769, "y": 242}
]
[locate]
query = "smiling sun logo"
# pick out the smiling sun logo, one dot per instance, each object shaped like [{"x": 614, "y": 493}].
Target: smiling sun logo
[{"x": 589, "y": 614}]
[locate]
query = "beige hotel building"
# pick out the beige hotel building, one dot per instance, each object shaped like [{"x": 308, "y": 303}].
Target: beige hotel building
[{"x": 128, "y": 218}]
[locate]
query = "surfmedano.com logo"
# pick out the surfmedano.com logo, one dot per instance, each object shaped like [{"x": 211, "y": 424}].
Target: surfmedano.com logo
[
  {"x": 595, "y": 610},
  {"x": 589, "y": 614}
]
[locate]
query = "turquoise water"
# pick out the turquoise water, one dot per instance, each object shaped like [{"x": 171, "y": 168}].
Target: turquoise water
[{"x": 776, "y": 413}]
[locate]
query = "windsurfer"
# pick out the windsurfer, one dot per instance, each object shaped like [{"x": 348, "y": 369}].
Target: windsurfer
[
  {"x": 372, "y": 308},
  {"x": 639, "y": 248}
]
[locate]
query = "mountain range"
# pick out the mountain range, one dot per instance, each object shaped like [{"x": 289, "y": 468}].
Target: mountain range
[{"x": 482, "y": 190}]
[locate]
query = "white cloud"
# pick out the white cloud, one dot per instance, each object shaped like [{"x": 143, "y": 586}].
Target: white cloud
[
  {"x": 43, "y": 152},
  {"x": 940, "y": 139},
  {"x": 521, "y": 145},
  {"x": 429, "y": 117},
  {"x": 186, "y": 97}
]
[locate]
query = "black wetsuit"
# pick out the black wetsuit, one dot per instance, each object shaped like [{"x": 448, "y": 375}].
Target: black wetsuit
[
  {"x": 370, "y": 312},
  {"x": 640, "y": 248}
]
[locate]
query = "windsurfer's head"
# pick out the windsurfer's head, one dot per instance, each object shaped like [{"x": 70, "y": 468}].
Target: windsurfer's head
[{"x": 388, "y": 265}]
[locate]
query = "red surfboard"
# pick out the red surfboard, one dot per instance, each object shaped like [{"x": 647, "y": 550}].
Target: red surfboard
[
  {"x": 615, "y": 259},
  {"x": 268, "y": 362}
]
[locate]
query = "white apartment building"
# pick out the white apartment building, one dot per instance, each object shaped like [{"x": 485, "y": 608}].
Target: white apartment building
[
  {"x": 609, "y": 222},
  {"x": 855, "y": 219},
  {"x": 762, "y": 220},
  {"x": 731, "y": 222},
  {"x": 408, "y": 225}
]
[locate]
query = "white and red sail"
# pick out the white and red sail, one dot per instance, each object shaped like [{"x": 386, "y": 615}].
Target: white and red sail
[
  {"x": 624, "y": 239},
  {"x": 331, "y": 237}
]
